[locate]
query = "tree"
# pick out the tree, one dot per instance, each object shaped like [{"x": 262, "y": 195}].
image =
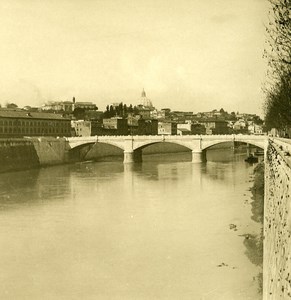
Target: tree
[
  {"x": 119, "y": 109},
  {"x": 11, "y": 105},
  {"x": 278, "y": 103},
  {"x": 135, "y": 110},
  {"x": 111, "y": 111},
  {"x": 79, "y": 113},
  {"x": 125, "y": 110}
]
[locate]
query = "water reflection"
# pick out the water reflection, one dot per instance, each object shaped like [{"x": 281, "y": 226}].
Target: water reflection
[
  {"x": 34, "y": 186},
  {"x": 155, "y": 230}
]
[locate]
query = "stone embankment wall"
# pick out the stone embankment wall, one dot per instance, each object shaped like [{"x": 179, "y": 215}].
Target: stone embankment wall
[
  {"x": 28, "y": 153},
  {"x": 51, "y": 151},
  {"x": 17, "y": 154},
  {"x": 277, "y": 222}
]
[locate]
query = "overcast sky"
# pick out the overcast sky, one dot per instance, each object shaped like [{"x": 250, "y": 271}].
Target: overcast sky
[{"x": 192, "y": 55}]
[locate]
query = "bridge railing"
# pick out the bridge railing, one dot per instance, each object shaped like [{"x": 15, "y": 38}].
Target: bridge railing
[
  {"x": 196, "y": 136},
  {"x": 284, "y": 145}
]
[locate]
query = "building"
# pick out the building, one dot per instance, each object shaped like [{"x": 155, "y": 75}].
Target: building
[
  {"x": 115, "y": 126},
  {"x": 189, "y": 128},
  {"x": 84, "y": 105},
  {"x": 198, "y": 129},
  {"x": 68, "y": 106},
  {"x": 166, "y": 111},
  {"x": 139, "y": 126},
  {"x": 144, "y": 101},
  {"x": 255, "y": 129},
  {"x": 215, "y": 126},
  {"x": 240, "y": 126},
  {"x": 16, "y": 123},
  {"x": 145, "y": 112},
  {"x": 157, "y": 114},
  {"x": 81, "y": 127},
  {"x": 167, "y": 128},
  {"x": 58, "y": 106},
  {"x": 147, "y": 127},
  {"x": 183, "y": 131}
]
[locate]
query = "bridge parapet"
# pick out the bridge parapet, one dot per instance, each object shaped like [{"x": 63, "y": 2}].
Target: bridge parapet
[{"x": 285, "y": 144}]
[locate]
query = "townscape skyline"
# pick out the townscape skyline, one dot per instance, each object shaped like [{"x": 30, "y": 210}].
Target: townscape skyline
[{"x": 187, "y": 55}]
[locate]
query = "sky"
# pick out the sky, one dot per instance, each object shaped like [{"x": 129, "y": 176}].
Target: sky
[{"x": 190, "y": 55}]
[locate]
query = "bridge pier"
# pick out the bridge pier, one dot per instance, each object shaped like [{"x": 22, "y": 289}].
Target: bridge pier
[
  {"x": 128, "y": 157},
  {"x": 132, "y": 156},
  {"x": 198, "y": 156}
]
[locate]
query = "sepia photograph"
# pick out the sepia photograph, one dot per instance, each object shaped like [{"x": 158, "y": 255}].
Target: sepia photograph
[{"x": 145, "y": 149}]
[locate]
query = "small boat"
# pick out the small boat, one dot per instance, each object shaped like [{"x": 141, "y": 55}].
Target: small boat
[{"x": 251, "y": 159}]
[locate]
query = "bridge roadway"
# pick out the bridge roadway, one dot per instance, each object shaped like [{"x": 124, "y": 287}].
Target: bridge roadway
[{"x": 198, "y": 144}]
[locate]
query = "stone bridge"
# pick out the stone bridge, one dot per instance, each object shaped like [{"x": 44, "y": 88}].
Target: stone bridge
[{"x": 133, "y": 145}]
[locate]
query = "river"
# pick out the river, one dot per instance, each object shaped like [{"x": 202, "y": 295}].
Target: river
[{"x": 163, "y": 229}]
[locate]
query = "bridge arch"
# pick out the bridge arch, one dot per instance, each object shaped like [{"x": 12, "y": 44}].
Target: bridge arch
[
  {"x": 92, "y": 150},
  {"x": 143, "y": 145},
  {"x": 207, "y": 144},
  {"x": 83, "y": 144}
]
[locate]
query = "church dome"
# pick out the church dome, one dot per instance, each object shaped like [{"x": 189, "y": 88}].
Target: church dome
[{"x": 144, "y": 100}]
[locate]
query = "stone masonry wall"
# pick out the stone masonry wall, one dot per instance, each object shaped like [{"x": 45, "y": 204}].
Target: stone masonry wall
[
  {"x": 277, "y": 223},
  {"x": 17, "y": 154},
  {"x": 27, "y": 153},
  {"x": 50, "y": 151}
]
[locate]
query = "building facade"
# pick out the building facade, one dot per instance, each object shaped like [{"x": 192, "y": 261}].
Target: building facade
[
  {"x": 115, "y": 126},
  {"x": 81, "y": 128},
  {"x": 21, "y": 123},
  {"x": 68, "y": 106},
  {"x": 167, "y": 128},
  {"x": 214, "y": 126}
]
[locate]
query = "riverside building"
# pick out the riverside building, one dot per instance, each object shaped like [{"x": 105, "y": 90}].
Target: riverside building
[{"x": 18, "y": 123}]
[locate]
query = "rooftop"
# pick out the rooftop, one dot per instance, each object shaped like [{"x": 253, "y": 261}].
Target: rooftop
[{"x": 31, "y": 115}]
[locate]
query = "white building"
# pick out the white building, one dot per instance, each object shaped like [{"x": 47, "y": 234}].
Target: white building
[{"x": 81, "y": 127}]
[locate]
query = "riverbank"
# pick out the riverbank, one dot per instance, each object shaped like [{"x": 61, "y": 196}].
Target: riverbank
[
  {"x": 254, "y": 242},
  {"x": 17, "y": 154}
]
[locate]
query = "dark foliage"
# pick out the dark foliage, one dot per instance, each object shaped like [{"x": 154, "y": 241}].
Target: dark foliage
[{"x": 278, "y": 52}]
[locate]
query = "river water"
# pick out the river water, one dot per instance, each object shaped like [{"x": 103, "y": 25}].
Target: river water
[{"x": 163, "y": 229}]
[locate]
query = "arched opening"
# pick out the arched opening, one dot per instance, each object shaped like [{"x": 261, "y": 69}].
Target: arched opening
[
  {"x": 233, "y": 150},
  {"x": 163, "y": 151},
  {"x": 96, "y": 152}
]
